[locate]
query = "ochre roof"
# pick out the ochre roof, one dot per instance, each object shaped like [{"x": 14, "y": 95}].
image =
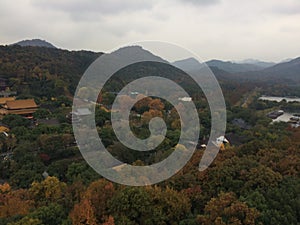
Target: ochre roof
[
  {"x": 5, "y": 99},
  {"x": 21, "y": 104}
]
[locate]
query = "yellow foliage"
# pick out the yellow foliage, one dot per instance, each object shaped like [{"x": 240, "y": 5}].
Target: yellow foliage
[{"x": 5, "y": 188}]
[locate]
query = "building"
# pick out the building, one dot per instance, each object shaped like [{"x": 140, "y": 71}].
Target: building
[
  {"x": 24, "y": 107},
  {"x": 5, "y": 99},
  {"x": 275, "y": 114}
]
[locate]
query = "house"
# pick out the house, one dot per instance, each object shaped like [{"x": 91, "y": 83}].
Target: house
[{"x": 24, "y": 107}]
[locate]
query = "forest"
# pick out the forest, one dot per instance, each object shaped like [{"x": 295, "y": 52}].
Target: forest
[{"x": 44, "y": 180}]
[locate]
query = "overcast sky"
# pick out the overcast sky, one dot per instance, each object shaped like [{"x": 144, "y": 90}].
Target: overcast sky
[{"x": 213, "y": 29}]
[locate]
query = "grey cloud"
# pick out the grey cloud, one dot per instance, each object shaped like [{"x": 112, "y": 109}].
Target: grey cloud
[
  {"x": 292, "y": 10},
  {"x": 99, "y": 6},
  {"x": 200, "y": 2}
]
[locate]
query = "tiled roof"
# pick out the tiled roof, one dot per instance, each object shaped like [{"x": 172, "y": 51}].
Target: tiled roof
[
  {"x": 5, "y": 99},
  {"x": 21, "y": 104}
]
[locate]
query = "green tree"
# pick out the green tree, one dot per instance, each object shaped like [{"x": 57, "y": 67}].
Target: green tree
[
  {"x": 227, "y": 209},
  {"x": 138, "y": 205},
  {"x": 50, "y": 190},
  {"x": 81, "y": 172},
  {"x": 27, "y": 221},
  {"x": 15, "y": 121},
  {"x": 50, "y": 214}
]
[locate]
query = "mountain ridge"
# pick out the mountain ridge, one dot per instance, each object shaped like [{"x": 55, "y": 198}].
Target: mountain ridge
[
  {"x": 35, "y": 43},
  {"x": 285, "y": 72}
]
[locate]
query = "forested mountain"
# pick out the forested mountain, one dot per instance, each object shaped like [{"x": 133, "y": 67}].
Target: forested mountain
[
  {"x": 256, "y": 71},
  {"x": 35, "y": 43},
  {"x": 289, "y": 71},
  {"x": 259, "y": 63},
  {"x": 233, "y": 67},
  {"x": 43, "y": 71},
  {"x": 190, "y": 64}
]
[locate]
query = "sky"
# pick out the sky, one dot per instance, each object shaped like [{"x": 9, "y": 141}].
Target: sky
[{"x": 268, "y": 30}]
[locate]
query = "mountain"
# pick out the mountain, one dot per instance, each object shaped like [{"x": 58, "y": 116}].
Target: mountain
[
  {"x": 288, "y": 71},
  {"x": 137, "y": 52},
  {"x": 189, "y": 64},
  {"x": 35, "y": 43},
  {"x": 253, "y": 70},
  {"x": 286, "y": 60},
  {"x": 256, "y": 62},
  {"x": 41, "y": 71},
  {"x": 233, "y": 67}
]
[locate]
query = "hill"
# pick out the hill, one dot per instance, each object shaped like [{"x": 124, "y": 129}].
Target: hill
[
  {"x": 256, "y": 62},
  {"x": 233, "y": 67},
  {"x": 286, "y": 73},
  {"x": 35, "y": 42},
  {"x": 189, "y": 64},
  {"x": 290, "y": 71},
  {"x": 40, "y": 71}
]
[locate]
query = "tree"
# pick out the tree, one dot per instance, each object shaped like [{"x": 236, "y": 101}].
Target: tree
[
  {"x": 41, "y": 113},
  {"x": 133, "y": 205},
  {"x": 50, "y": 190},
  {"x": 50, "y": 214},
  {"x": 12, "y": 121},
  {"x": 81, "y": 172},
  {"x": 110, "y": 221},
  {"x": 14, "y": 203},
  {"x": 93, "y": 206},
  {"x": 23, "y": 177},
  {"x": 149, "y": 205},
  {"x": 227, "y": 209},
  {"x": 142, "y": 105},
  {"x": 147, "y": 116},
  {"x": 261, "y": 177},
  {"x": 156, "y": 104},
  {"x": 99, "y": 193},
  {"x": 27, "y": 221},
  {"x": 83, "y": 213}
]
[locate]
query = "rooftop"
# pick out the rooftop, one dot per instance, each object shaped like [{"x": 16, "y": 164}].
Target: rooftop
[
  {"x": 21, "y": 104},
  {"x": 5, "y": 99}
]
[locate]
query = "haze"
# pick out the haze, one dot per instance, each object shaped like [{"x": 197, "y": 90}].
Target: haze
[{"x": 268, "y": 30}]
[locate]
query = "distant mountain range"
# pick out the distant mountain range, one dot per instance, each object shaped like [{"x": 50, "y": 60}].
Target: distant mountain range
[
  {"x": 249, "y": 69},
  {"x": 36, "y": 43},
  {"x": 256, "y": 62},
  {"x": 233, "y": 67},
  {"x": 191, "y": 64},
  {"x": 285, "y": 71}
]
